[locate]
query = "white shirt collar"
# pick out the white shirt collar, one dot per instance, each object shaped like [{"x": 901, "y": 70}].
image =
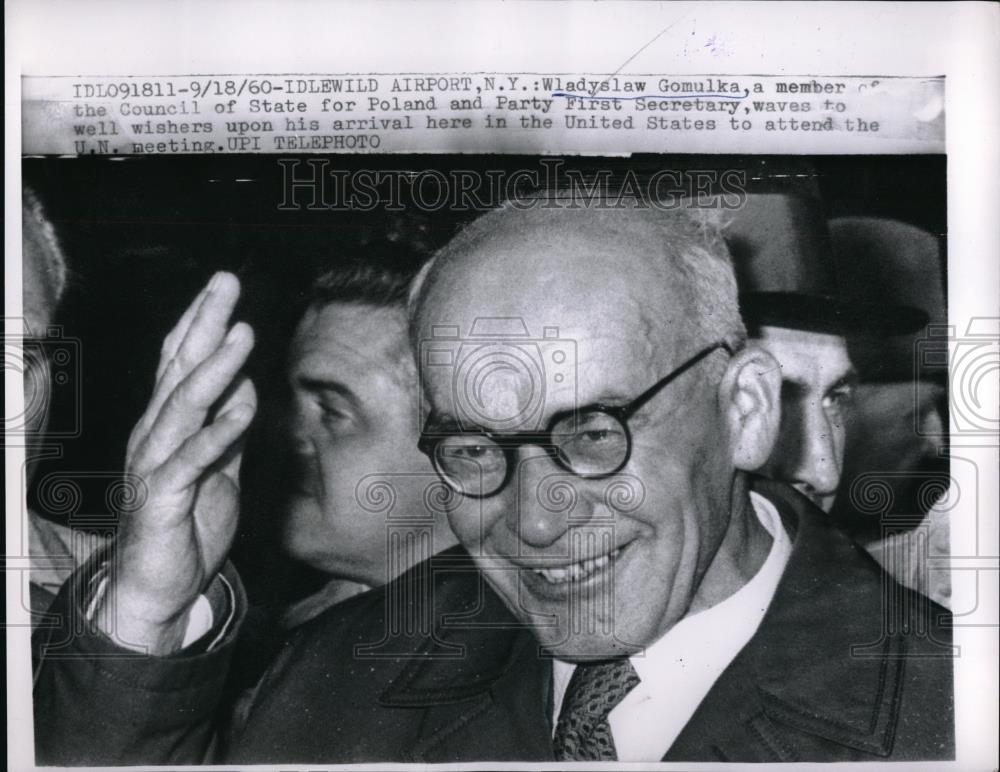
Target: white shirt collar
[{"x": 679, "y": 669}]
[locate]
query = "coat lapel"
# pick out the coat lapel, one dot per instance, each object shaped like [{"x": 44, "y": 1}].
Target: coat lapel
[
  {"x": 480, "y": 681},
  {"x": 825, "y": 668}
]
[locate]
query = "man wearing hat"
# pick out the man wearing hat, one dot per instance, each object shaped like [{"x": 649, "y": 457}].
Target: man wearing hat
[
  {"x": 896, "y": 443},
  {"x": 837, "y": 342}
]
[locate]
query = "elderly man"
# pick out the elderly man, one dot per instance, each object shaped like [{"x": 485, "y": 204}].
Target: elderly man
[{"x": 620, "y": 591}]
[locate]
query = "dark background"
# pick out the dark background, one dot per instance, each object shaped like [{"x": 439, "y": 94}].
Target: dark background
[{"x": 142, "y": 236}]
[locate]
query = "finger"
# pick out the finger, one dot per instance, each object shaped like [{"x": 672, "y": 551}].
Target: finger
[
  {"x": 166, "y": 387},
  {"x": 203, "y": 336},
  {"x": 185, "y": 410},
  {"x": 231, "y": 468},
  {"x": 203, "y": 449},
  {"x": 167, "y": 352},
  {"x": 243, "y": 394},
  {"x": 241, "y": 391},
  {"x": 173, "y": 339}
]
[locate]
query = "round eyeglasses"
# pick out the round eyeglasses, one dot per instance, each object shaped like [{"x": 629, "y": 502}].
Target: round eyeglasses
[{"x": 591, "y": 442}]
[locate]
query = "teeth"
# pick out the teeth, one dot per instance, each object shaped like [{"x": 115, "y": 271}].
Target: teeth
[{"x": 579, "y": 571}]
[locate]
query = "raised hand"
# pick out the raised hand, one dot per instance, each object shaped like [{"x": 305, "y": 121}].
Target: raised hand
[{"x": 186, "y": 449}]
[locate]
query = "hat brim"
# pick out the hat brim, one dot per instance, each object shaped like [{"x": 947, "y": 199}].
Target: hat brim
[{"x": 827, "y": 314}]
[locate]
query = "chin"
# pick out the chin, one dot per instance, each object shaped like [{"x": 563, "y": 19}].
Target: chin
[
  {"x": 584, "y": 647},
  {"x": 589, "y": 635}
]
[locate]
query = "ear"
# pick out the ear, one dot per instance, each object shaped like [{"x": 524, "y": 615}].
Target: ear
[{"x": 750, "y": 396}]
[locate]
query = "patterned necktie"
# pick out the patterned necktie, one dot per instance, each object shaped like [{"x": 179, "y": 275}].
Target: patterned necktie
[{"x": 583, "y": 732}]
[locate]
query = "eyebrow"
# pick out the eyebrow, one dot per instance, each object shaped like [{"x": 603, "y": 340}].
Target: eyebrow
[
  {"x": 850, "y": 378},
  {"x": 794, "y": 387},
  {"x": 314, "y": 384},
  {"x": 609, "y": 399},
  {"x": 445, "y": 423}
]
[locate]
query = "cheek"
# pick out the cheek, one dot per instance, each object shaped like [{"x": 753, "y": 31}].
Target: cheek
[
  {"x": 676, "y": 467},
  {"x": 339, "y": 465},
  {"x": 368, "y": 472},
  {"x": 683, "y": 484},
  {"x": 350, "y": 500}
]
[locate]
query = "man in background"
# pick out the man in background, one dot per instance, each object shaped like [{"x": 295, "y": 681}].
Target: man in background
[
  {"x": 351, "y": 429},
  {"x": 56, "y": 549},
  {"x": 341, "y": 434},
  {"x": 897, "y": 438},
  {"x": 811, "y": 296},
  {"x": 331, "y": 468}
]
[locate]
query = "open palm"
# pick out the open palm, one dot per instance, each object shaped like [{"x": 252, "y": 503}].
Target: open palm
[{"x": 186, "y": 450}]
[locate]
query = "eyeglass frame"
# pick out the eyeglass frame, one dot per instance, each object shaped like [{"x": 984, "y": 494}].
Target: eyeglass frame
[{"x": 511, "y": 442}]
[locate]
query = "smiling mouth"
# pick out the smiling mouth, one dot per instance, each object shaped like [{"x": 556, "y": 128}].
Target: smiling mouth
[{"x": 579, "y": 571}]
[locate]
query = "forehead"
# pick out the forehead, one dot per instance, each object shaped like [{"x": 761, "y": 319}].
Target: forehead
[
  {"x": 811, "y": 358},
  {"x": 560, "y": 267},
  {"x": 602, "y": 302},
  {"x": 340, "y": 339}
]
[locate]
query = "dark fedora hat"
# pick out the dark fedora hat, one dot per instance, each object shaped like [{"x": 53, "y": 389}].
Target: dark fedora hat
[
  {"x": 789, "y": 269},
  {"x": 898, "y": 262}
]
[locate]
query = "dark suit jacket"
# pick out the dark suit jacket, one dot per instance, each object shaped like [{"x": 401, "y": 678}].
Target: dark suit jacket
[{"x": 846, "y": 665}]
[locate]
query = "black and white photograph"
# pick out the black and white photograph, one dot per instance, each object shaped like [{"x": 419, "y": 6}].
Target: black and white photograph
[{"x": 451, "y": 416}]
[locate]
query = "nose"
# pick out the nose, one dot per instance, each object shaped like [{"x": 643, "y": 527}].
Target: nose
[
  {"x": 545, "y": 500},
  {"x": 295, "y": 426},
  {"x": 822, "y": 455},
  {"x": 301, "y": 445},
  {"x": 301, "y": 458}
]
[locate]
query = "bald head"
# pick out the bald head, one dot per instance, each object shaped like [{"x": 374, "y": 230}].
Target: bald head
[{"x": 666, "y": 275}]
